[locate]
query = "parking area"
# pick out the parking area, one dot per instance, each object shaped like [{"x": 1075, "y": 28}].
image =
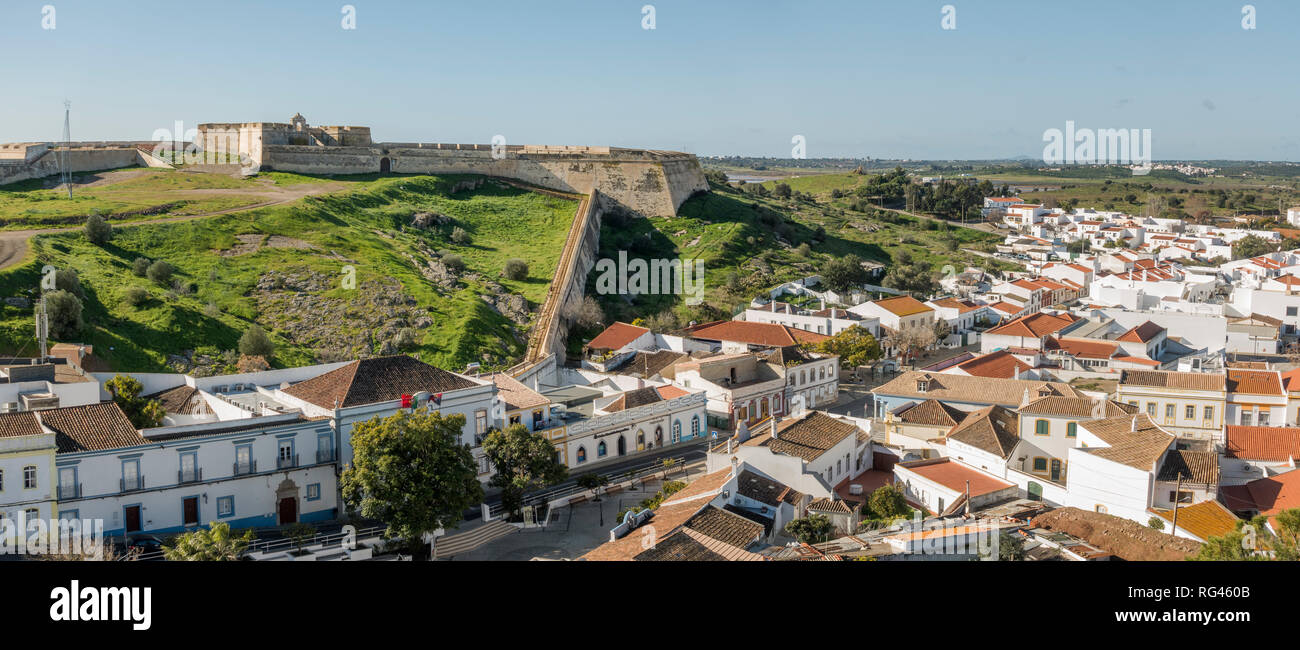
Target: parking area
[{"x": 573, "y": 530}]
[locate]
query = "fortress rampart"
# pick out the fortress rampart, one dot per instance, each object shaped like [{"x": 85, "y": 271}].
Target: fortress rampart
[{"x": 646, "y": 183}]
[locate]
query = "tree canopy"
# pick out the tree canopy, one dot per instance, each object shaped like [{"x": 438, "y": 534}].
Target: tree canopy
[
  {"x": 855, "y": 347},
  {"x": 410, "y": 471},
  {"x": 217, "y": 543},
  {"x": 811, "y": 529},
  {"x": 842, "y": 273},
  {"x": 523, "y": 460},
  {"x": 144, "y": 413}
]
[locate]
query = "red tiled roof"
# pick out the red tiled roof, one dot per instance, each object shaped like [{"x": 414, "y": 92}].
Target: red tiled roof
[
  {"x": 616, "y": 336},
  {"x": 1142, "y": 333},
  {"x": 92, "y": 427},
  {"x": 377, "y": 379},
  {"x": 1269, "y": 444},
  {"x": 1254, "y": 382},
  {"x": 903, "y": 305},
  {"x": 954, "y": 476},
  {"x": 999, "y": 365},
  {"x": 671, "y": 392},
  {"x": 1267, "y": 495},
  {"x": 1083, "y": 347},
  {"x": 1034, "y": 325},
  {"x": 762, "y": 334}
]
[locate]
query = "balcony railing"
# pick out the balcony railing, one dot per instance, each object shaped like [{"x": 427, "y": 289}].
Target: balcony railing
[
  {"x": 70, "y": 491},
  {"x": 131, "y": 484},
  {"x": 282, "y": 462},
  {"x": 245, "y": 468},
  {"x": 189, "y": 475},
  {"x": 324, "y": 455}
]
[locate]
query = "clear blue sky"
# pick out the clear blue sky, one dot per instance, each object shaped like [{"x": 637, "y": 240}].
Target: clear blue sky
[{"x": 857, "y": 78}]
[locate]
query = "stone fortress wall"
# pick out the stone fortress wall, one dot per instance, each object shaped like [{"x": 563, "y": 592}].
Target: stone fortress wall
[{"x": 643, "y": 182}]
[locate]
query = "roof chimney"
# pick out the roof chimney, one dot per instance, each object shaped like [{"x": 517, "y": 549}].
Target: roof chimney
[
  {"x": 1134, "y": 427},
  {"x": 772, "y": 428}
]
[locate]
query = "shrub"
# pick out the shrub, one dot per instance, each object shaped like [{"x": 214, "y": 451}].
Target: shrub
[
  {"x": 140, "y": 266},
  {"x": 64, "y": 310},
  {"x": 160, "y": 272},
  {"x": 461, "y": 237},
  {"x": 98, "y": 231},
  {"x": 211, "y": 310},
  {"x": 136, "y": 296},
  {"x": 255, "y": 343},
  {"x": 516, "y": 269},
  {"x": 453, "y": 261},
  {"x": 68, "y": 280}
]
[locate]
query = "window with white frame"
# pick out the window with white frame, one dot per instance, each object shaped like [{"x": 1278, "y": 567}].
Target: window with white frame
[{"x": 29, "y": 477}]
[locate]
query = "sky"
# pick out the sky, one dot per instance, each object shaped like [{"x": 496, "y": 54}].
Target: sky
[{"x": 862, "y": 78}]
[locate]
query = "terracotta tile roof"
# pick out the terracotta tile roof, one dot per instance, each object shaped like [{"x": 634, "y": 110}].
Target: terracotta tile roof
[
  {"x": 1142, "y": 333},
  {"x": 1006, "y": 307},
  {"x": 1134, "y": 440},
  {"x": 972, "y": 390},
  {"x": 999, "y": 365},
  {"x": 378, "y": 379},
  {"x": 1268, "y": 444},
  {"x": 725, "y": 527},
  {"x": 807, "y": 437},
  {"x": 954, "y": 475},
  {"x": 1034, "y": 325},
  {"x": 1267, "y": 495},
  {"x": 689, "y": 545},
  {"x": 516, "y": 395},
  {"x": 827, "y": 504},
  {"x": 616, "y": 336},
  {"x": 92, "y": 427},
  {"x": 1173, "y": 379},
  {"x": 23, "y": 423},
  {"x": 992, "y": 429},
  {"x": 903, "y": 305},
  {"x": 1080, "y": 407},
  {"x": 1204, "y": 520},
  {"x": 761, "y": 334},
  {"x": 671, "y": 392},
  {"x": 930, "y": 412},
  {"x": 633, "y": 398},
  {"x": 1254, "y": 382},
  {"x": 1087, "y": 348},
  {"x": 668, "y": 518},
  {"x": 649, "y": 364},
  {"x": 176, "y": 400},
  {"x": 1194, "y": 466},
  {"x": 765, "y": 490},
  {"x": 962, "y": 306}
]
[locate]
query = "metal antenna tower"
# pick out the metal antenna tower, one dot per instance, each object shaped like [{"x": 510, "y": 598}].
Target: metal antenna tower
[{"x": 65, "y": 174}]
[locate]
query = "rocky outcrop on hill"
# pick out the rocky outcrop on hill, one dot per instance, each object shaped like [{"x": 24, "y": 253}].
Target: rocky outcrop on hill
[{"x": 368, "y": 321}]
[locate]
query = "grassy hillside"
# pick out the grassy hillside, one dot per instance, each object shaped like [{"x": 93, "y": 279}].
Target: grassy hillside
[
  {"x": 127, "y": 195},
  {"x": 284, "y": 267},
  {"x": 750, "y": 244}
]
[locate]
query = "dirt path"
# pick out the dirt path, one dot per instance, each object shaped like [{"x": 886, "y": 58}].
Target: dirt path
[{"x": 13, "y": 243}]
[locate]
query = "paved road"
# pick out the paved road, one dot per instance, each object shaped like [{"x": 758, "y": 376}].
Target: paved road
[{"x": 692, "y": 452}]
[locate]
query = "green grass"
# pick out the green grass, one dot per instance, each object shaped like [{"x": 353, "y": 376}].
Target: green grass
[
  {"x": 153, "y": 193},
  {"x": 736, "y": 234},
  {"x": 362, "y": 227}
]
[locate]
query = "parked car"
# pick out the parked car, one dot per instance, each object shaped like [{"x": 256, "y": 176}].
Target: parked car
[{"x": 149, "y": 546}]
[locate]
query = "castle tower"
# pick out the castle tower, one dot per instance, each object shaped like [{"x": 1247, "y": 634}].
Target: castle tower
[{"x": 299, "y": 122}]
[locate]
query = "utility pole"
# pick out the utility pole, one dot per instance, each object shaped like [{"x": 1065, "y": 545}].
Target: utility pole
[{"x": 1178, "y": 489}]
